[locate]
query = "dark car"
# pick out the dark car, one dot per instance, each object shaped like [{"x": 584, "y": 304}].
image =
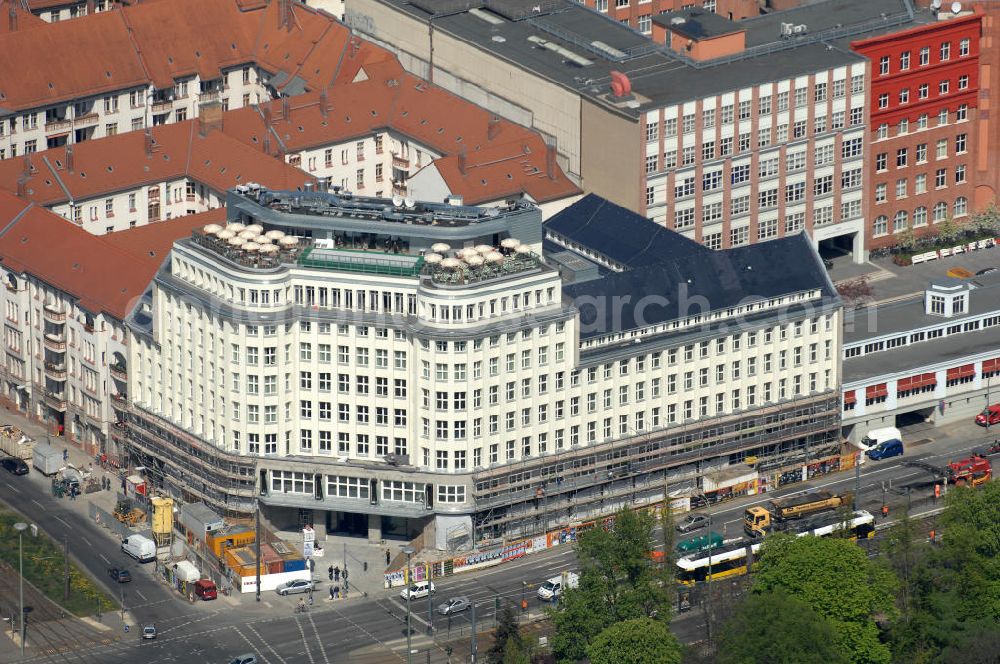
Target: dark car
[
  {"x": 692, "y": 522},
  {"x": 15, "y": 466},
  {"x": 986, "y": 270},
  {"x": 119, "y": 575}
]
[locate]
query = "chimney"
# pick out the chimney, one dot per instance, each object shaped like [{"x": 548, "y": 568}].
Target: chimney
[
  {"x": 493, "y": 128},
  {"x": 12, "y": 18},
  {"x": 148, "y": 141},
  {"x": 551, "y": 165},
  {"x": 267, "y": 141},
  {"x": 28, "y": 168},
  {"x": 285, "y": 109},
  {"x": 69, "y": 158},
  {"x": 267, "y": 116},
  {"x": 323, "y": 103},
  {"x": 210, "y": 117},
  {"x": 22, "y": 188},
  {"x": 461, "y": 162}
]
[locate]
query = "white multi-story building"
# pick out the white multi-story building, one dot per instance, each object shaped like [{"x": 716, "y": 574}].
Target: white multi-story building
[
  {"x": 66, "y": 294},
  {"x": 144, "y": 69},
  {"x": 120, "y": 182},
  {"x": 359, "y": 381}
]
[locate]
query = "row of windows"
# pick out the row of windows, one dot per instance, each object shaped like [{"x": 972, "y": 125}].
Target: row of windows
[
  {"x": 901, "y": 220},
  {"x": 923, "y": 122},
  {"x": 920, "y": 184},
  {"x": 920, "y": 153},
  {"x": 943, "y": 330},
  {"x": 923, "y": 56},
  {"x": 923, "y": 91}
]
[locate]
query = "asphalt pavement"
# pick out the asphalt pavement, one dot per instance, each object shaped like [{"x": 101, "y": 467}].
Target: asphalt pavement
[{"x": 373, "y": 629}]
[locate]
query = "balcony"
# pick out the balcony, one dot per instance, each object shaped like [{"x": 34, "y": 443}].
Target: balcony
[
  {"x": 399, "y": 189},
  {"x": 209, "y": 96},
  {"x": 53, "y": 314},
  {"x": 160, "y": 107},
  {"x": 60, "y": 124},
  {"x": 119, "y": 401},
  {"x": 88, "y": 120},
  {"x": 55, "y": 342},
  {"x": 402, "y": 163},
  {"x": 55, "y": 400},
  {"x": 119, "y": 372},
  {"x": 55, "y": 371}
]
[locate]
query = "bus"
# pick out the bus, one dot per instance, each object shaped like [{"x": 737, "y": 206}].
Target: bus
[{"x": 731, "y": 560}]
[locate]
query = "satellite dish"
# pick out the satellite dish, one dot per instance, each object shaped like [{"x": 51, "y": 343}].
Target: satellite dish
[
  {"x": 409, "y": 203},
  {"x": 936, "y": 4},
  {"x": 956, "y": 7},
  {"x": 397, "y": 201}
]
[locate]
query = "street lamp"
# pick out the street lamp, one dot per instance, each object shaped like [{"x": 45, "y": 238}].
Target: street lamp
[
  {"x": 409, "y": 551},
  {"x": 20, "y": 527}
]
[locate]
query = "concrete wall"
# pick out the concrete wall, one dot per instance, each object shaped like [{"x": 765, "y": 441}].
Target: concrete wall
[
  {"x": 476, "y": 75},
  {"x": 611, "y": 156}
]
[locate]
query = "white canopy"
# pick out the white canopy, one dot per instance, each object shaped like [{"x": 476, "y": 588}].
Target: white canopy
[
  {"x": 236, "y": 241},
  {"x": 248, "y": 234},
  {"x": 288, "y": 241},
  {"x": 475, "y": 261},
  {"x": 440, "y": 247},
  {"x": 451, "y": 263},
  {"x": 256, "y": 228},
  {"x": 269, "y": 249},
  {"x": 225, "y": 235},
  {"x": 509, "y": 242},
  {"x": 494, "y": 257},
  {"x": 212, "y": 229},
  {"x": 433, "y": 259},
  {"x": 522, "y": 249},
  {"x": 275, "y": 235},
  {"x": 251, "y": 246},
  {"x": 235, "y": 227},
  {"x": 484, "y": 248}
]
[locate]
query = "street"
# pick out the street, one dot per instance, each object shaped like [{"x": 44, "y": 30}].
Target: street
[{"x": 372, "y": 629}]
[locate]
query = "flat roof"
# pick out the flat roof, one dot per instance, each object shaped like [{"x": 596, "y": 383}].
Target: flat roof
[
  {"x": 909, "y": 314},
  {"x": 697, "y": 23},
  {"x": 917, "y": 357},
  {"x": 591, "y": 45}
]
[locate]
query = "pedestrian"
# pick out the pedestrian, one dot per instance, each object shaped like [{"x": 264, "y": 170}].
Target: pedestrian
[
  {"x": 336, "y": 592},
  {"x": 345, "y": 573},
  {"x": 347, "y": 586},
  {"x": 329, "y": 571},
  {"x": 311, "y": 599},
  {"x": 885, "y": 511},
  {"x": 336, "y": 573},
  {"x": 331, "y": 592},
  {"x": 65, "y": 454},
  {"x": 388, "y": 557}
]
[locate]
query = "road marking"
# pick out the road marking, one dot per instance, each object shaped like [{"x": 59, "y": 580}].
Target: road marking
[
  {"x": 265, "y": 642},
  {"x": 414, "y": 614},
  {"x": 319, "y": 639},
  {"x": 87, "y": 541},
  {"x": 59, "y": 519},
  {"x": 106, "y": 561},
  {"x": 305, "y": 643},
  {"x": 250, "y": 643},
  {"x": 37, "y": 503},
  {"x": 11, "y": 487},
  {"x": 139, "y": 593}
]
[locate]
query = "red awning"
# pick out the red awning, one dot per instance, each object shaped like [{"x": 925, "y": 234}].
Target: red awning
[
  {"x": 849, "y": 398},
  {"x": 991, "y": 366},
  {"x": 964, "y": 371},
  {"x": 876, "y": 391},
  {"x": 916, "y": 382}
]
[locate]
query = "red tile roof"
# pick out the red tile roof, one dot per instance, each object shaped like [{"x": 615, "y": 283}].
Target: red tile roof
[
  {"x": 118, "y": 163},
  {"x": 500, "y": 158},
  {"x": 14, "y": 17},
  {"x": 157, "y": 42},
  {"x": 106, "y": 273}
]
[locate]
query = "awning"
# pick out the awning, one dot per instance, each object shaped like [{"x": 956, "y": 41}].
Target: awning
[
  {"x": 964, "y": 371},
  {"x": 849, "y": 398},
  {"x": 876, "y": 391},
  {"x": 991, "y": 366},
  {"x": 916, "y": 382}
]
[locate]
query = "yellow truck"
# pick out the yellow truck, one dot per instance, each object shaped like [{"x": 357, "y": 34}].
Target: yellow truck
[{"x": 760, "y": 519}]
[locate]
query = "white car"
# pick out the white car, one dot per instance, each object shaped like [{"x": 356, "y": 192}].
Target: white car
[{"x": 418, "y": 590}]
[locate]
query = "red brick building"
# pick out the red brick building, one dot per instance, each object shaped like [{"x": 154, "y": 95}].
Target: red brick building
[
  {"x": 924, "y": 95},
  {"x": 639, "y": 14}
]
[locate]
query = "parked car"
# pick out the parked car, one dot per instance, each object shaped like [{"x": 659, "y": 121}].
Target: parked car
[
  {"x": 989, "y": 416},
  {"x": 205, "y": 589},
  {"x": 244, "y": 659},
  {"x": 692, "y": 522},
  {"x": 149, "y": 632},
  {"x": 986, "y": 270},
  {"x": 119, "y": 575},
  {"x": 454, "y": 605},
  {"x": 418, "y": 590},
  {"x": 13, "y": 465},
  {"x": 295, "y": 586},
  {"x": 886, "y": 450}
]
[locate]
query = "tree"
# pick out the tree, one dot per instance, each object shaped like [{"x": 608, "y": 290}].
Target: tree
[
  {"x": 637, "y": 641},
  {"x": 838, "y": 581},
  {"x": 949, "y": 230},
  {"x": 856, "y": 291},
  {"x": 617, "y": 583},
  {"x": 907, "y": 239},
  {"x": 508, "y": 645},
  {"x": 777, "y": 627}
]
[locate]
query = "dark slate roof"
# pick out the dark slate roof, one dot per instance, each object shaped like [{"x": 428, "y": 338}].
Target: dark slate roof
[
  {"x": 679, "y": 287},
  {"x": 620, "y": 234},
  {"x": 697, "y": 23}
]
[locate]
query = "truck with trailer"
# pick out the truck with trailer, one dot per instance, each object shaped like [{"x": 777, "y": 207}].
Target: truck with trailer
[
  {"x": 759, "y": 519},
  {"x": 46, "y": 459}
]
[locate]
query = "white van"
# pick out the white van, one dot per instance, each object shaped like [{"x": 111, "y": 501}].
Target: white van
[
  {"x": 553, "y": 588},
  {"x": 418, "y": 590},
  {"x": 141, "y": 548}
]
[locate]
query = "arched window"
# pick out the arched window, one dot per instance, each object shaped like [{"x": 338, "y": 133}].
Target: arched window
[
  {"x": 961, "y": 206},
  {"x": 940, "y": 211},
  {"x": 881, "y": 226},
  {"x": 901, "y": 221},
  {"x": 920, "y": 217}
]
